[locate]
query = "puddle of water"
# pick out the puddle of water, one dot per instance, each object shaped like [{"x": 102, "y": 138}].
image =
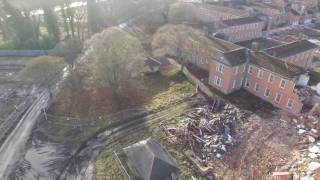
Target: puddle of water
[{"x": 42, "y": 161}]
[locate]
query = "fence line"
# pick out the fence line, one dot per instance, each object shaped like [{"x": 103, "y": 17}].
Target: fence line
[{"x": 121, "y": 167}]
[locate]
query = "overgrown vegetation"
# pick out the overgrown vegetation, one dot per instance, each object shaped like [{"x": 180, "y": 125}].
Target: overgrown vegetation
[
  {"x": 160, "y": 91},
  {"x": 43, "y": 71},
  {"x": 107, "y": 169},
  {"x": 315, "y": 76},
  {"x": 44, "y": 43}
]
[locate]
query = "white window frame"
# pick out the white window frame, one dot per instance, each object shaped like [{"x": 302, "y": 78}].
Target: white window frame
[
  {"x": 265, "y": 92},
  {"x": 260, "y": 74},
  {"x": 276, "y": 97},
  {"x": 288, "y": 102},
  {"x": 282, "y": 80},
  {"x": 250, "y": 69},
  {"x": 257, "y": 87},
  {"x": 218, "y": 79},
  {"x": 271, "y": 78},
  {"x": 234, "y": 83},
  {"x": 220, "y": 68},
  {"x": 241, "y": 82}
]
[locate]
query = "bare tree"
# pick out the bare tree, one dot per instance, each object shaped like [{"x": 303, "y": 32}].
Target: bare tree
[{"x": 119, "y": 59}]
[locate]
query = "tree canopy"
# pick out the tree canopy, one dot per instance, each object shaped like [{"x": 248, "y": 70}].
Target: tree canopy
[
  {"x": 44, "y": 71},
  {"x": 114, "y": 58}
]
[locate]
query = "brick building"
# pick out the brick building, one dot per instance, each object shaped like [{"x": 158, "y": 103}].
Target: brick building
[
  {"x": 274, "y": 81},
  {"x": 228, "y": 70},
  {"x": 276, "y": 3},
  {"x": 202, "y": 57},
  {"x": 299, "y": 53},
  {"x": 242, "y": 29},
  {"x": 214, "y": 13},
  {"x": 304, "y": 5},
  {"x": 265, "y": 76},
  {"x": 275, "y": 15}
]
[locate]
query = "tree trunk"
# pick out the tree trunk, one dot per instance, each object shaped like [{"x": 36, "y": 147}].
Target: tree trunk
[
  {"x": 3, "y": 30},
  {"x": 72, "y": 26},
  {"x": 65, "y": 21}
]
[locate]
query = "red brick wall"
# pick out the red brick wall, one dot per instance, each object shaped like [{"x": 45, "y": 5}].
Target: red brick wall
[
  {"x": 228, "y": 76},
  {"x": 286, "y": 92}
]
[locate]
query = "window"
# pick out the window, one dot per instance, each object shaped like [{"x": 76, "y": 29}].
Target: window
[
  {"x": 290, "y": 104},
  {"x": 260, "y": 73},
  {"x": 278, "y": 98},
  {"x": 241, "y": 82},
  {"x": 237, "y": 69},
  {"x": 244, "y": 68},
  {"x": 218, "y": 81},
  {"x": 270, "y": 80},
  {"x": 282, "y": 83},
  {"x": 267, "y": 92},
  {"x": 250, "y": 69},
  {"x": 257, "y": 87},
  {"x": 247, "y": 83},
  {"x": 220, "y": 68},
  {"x": 234, "y": 83}
]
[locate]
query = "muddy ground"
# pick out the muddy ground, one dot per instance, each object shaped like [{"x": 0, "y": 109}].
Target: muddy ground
[{"x": 14, "y": 94}]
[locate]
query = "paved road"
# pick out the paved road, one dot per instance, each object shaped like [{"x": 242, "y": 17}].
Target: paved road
[{"x": 13, "y": 147}]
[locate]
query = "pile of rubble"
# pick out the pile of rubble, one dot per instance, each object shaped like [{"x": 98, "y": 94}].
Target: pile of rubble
[
  {"x": 304, "y": 92},
  {"x": 308, "y": 127},
  {"x": 208, "y": 130}
]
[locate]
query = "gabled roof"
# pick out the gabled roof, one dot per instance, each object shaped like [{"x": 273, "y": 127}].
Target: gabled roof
[
  {"x": 275, "y": 65},
  {"x": 290, "y": 49},
  {"x": 149, "y": 161},
  {"x": 233, "y": 58},
  {"x": 241, "y": 21}
]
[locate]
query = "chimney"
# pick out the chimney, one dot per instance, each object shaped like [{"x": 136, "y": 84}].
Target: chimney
[{"x": 255, "y": 46}]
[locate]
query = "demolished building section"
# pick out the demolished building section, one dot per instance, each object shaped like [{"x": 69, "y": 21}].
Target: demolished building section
[{"x": 208, "y": 131}]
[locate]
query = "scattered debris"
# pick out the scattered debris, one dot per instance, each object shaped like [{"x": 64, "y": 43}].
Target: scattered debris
[
  {"x": 283, "y": 176},
  {"x": 208, "y": 130}
]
